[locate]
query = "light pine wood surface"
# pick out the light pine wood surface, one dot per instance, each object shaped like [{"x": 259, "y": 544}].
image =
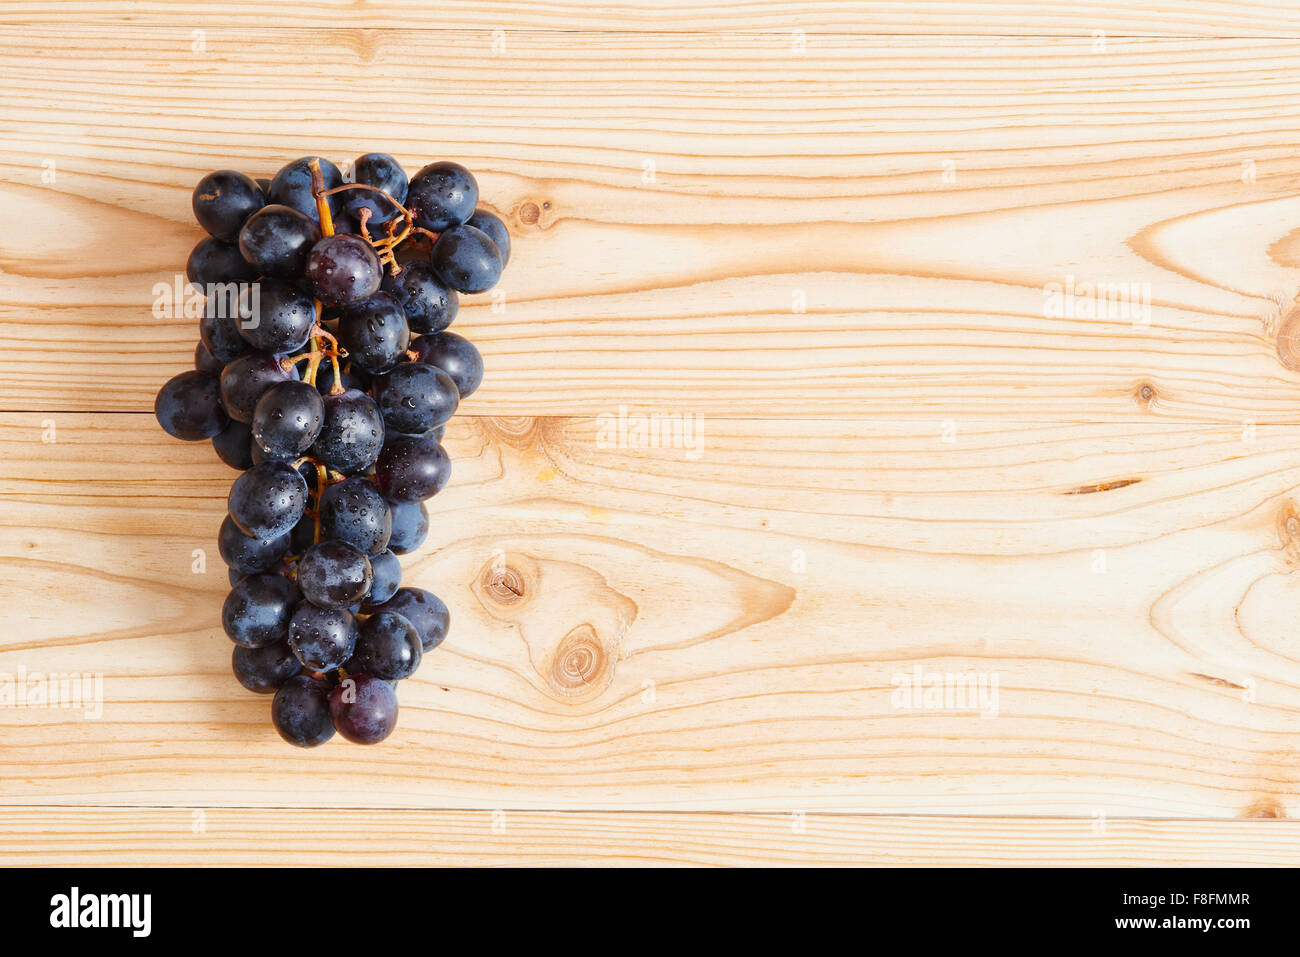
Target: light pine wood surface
[{"x": 850, "y": 251}]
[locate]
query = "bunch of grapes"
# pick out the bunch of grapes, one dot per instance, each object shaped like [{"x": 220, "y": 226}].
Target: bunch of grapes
[{"x": 325, "y": 375}]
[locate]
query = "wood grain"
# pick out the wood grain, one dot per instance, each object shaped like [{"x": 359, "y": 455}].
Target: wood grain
[
  {"x": 874, "y": 227},
  {"x": 179, "y": 836},
  {"x": 649, "y": 628},
  {"x": 889, "y": 17}
]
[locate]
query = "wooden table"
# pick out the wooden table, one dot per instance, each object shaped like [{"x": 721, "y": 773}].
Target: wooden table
[{"x": 968, "y": 327}]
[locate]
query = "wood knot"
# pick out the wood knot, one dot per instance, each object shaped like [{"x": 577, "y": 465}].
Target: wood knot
[
  {"x": 517, "y": 431},
  {"x": 1266, "y": 808},
  {"x": 1288, "y": 530},
  {"x": 503, "y": 584},
  {"x": 1288, "y": 339},
  {"x": 529, "y": 214},
  {"x": 1145, "y": 394},
  {"x": 581, "y": 665}
]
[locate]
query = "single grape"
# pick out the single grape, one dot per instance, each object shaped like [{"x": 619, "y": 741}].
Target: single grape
[
  {"x": 205, "y": 361},
  {"x": 292, "y": 186},
  {"x": 189, "y": 407},
  {"x": 248, "y": 554},
  {"x": 233, "y": 445},
  {"x": 424, "y": 610},
  {"x": 277, "y": 240},
  {"x": 224, "y": 200},
  {"x": 495, "y": 229},
  {"x": 353, "y": 511},
  {"x": 364, "y": 708},
  {"x": 264, "y": 669},
  {"x": 374, "y": 332},
  {"x": 388, "y": 647},
  {"x": 466, "y": 259},
  {"x": 288, "y": 418},
  {"x": 257, "y": 610},
  {"x": 343, "y": 269},
  {"x": 442, "y": 195},
  {"x": 387, "y": 571},
  {"x": 213, "y": 262},
  {"x": 267, "y": 500},
  {"x": 301, "y": 711},
  {"x": 353, "y": 432},
  {"x": 246, "y": 379},
  {"x": 382, "y": 172},
  {"x": 416, "y": 397},
  {"x": 334, "y": 574},
  {"x": 410, "y": 526},
  {"x": 276, "y": 316},
  {"x": 322, "y": 638},
  {"x": 411, "y": 469},
  {"x": 219, "y": 332},
  {"x": 454, "y": 355},
  {"x": 429, "y": 305}
]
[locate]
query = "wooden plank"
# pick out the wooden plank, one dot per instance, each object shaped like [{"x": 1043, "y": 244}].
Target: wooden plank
[
  {"x": 722, "y": 625},
  {"x": 874, "y": 227},
  {"x": 286, "y": 837},
  {"x": 968, "y": 17}
]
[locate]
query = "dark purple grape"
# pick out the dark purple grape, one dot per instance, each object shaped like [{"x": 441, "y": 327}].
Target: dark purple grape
[
  {"x": 276, "y": 316},
  {"x": 303, "y": 535},
  {"x": 334, "y": 574},
  {"x": 189, "y": 407},
  {"x": 301, "y": 711},
  {"x": 322, "y": 638},
  {"x": 213, "y": 263},
  {"x": 466, "y": 260},
  {"x": 496, "y": 231},
  {"x": 277, "y": 240},
  {"x": 442, "y": 195},
  {"x": 220, "y": 334},
  {"x": 288, "y": 418},
  {"x": 428, "y": 304},
  {"x": 382, "y": 172},
  {"x": 424, "y": 610},
  {"x": 264, "y": 185},
  {"x": 267, "y": 500},
  {"x": 204, "y": 361},
  {"x": 411, "y": 469},
  {"x": 416, "y": 397},
  {"x": 387, "y": 577},
  {"x": 265, "y": 669},
  {"x": 364, "y": 708},
  {"x": 410, "y": 526},
  {"x": 246, "y": 379},
  {"x": 374, "y": 332},
  {"x": 342, "y": 269},
  {"x": 224, "y": 200},
  {"x": 388, "y": 647},
  {"x": 247, "y": 554},
  {"x": 233, "y": 574},
  {"x": 233, "y": 445},
  {"x": 292, "y": 186},
  {"x": 353, "y": 432},
  {"x": 353, "y": 511},
  {"x": 257, "y": 610},
  {"x": 454, "y": 355}
]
